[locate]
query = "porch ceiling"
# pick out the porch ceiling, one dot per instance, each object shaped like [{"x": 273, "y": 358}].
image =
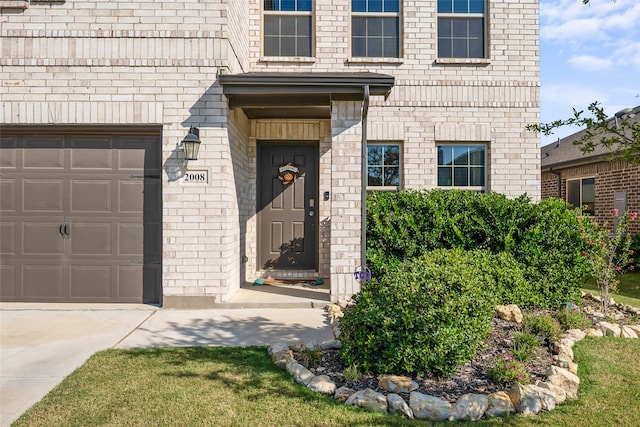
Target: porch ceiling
[{"x": 299, "y": 95}]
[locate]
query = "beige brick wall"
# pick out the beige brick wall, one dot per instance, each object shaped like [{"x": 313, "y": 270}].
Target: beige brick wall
[{"x": 156, "y": 62}]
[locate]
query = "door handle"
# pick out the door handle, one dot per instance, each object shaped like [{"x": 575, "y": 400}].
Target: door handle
[
  {"x": 66, "y": 230},
  {"x": 61, "y": 229}
]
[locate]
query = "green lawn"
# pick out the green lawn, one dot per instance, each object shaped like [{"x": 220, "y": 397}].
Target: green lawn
[
  {"x": 213, "y": 386},
  {"x": 628, "y": 289}
]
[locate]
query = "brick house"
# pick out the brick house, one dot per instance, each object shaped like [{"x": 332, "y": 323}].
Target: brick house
[
  {"x": 592, "y": 180},
  {"x": 288, "y": 97}
]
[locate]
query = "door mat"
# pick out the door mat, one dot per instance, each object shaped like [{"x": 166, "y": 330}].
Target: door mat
[{"x": 292, "y": 282}]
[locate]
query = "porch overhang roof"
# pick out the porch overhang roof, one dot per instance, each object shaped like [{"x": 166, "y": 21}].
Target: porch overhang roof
[{"x": 299, "y": 95}]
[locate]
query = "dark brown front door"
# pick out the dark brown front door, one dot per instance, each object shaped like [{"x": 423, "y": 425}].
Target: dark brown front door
[
  {"x": 287, "y": 210},
  {"x": 80, "y": 217}
]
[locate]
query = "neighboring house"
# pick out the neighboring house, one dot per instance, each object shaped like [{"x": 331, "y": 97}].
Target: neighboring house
[
  {"x": 592, "y": 180},
  {"x": 100, "y": 204}
]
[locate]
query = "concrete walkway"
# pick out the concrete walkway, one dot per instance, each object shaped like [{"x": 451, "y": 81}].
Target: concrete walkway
[{"x": 40, "y": 344}]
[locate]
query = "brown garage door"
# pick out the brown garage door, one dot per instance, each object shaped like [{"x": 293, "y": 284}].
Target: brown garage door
[{"x": 80, "y": 216}]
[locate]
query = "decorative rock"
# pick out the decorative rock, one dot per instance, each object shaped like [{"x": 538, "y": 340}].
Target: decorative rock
[
  {"x": 547, "y": 398},
  {"x": 277, "y": 348},
  {"x": 565, "y": 341},
  {"x": 510, "y": 312},
  {"x": 470, "y": 407},
  {"x": 627, "y": 332},
  {"x": 635, "y": 328},
  {"x": 343, "y": 393},
  {"x": 609, "y": 329},
  {"x": 368, "y": 399},
  {"x": 322, "y": 384},
  {"x": 397, "y": 405},
  {"x": 525, "y": 399},
  {"x": 301, "y": 374},
  {"x": 499, "y": 405},
  {"x": 334, "y": 309},
  {"x": 558, "y": 393},
  {"x": 331, "y": 345},
  {"x": 575, "y": 334},
  {"x": 592, "y": 332},
  {"x": 428, "y": 407},
  {"x": 573, "y": 368},
  {"x": 397, "y": 384},
  {"x": 564, "y": 379},
  {"x": 563, "y": 351}
]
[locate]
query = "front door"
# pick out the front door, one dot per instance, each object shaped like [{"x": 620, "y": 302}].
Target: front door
[{"x": 287, "y": 205}]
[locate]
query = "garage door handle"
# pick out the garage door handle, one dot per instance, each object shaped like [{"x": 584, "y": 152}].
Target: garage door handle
[
  {"x": 66, "y": 230},
  {"x": 61, "y": 230}
]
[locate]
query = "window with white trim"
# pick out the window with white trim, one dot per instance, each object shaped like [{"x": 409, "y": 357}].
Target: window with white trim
[
  {"x": 375, "y": 28},
  {"x": 462, "y": 166},
  {"x": 461, "y": 29},
  {"x": 287, "y": 27},
  {"x": 582, "y": 193},
  {"x": 383, "y": 166}
]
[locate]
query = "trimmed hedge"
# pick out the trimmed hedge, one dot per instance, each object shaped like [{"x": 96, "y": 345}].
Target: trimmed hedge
[{"x": 430, "y": 315}]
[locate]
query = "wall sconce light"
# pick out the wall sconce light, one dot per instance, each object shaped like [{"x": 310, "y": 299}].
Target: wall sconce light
[{"x": 191, "y": 144}]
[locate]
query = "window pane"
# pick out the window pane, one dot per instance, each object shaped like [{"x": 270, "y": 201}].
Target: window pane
[
  {"x": 444, "y": 177},
  {"x": 477, "y": 176},
  {"x": 476, "y": 6},
  {"x": 271, "y": 4},
  {"x": 288, "y": 5},
  {"x": 271, "y": 46},
  {"x": 374, "y": 27},
  {"x": 476, "y": 27},
  {"x": 304, "y": 27},
  {"x": 445, "y": 155},
  {"x": 445, "y": 50},
  {"x": 461, "y": 6},
  {"x": 445, "y": 6},
  {"x": 358, "y": 47},
  {"x": 589, "y": 194},
  {"x": 375, "y": 6},
  {"x": 476, "y": 155},
  {"x": 476, "y": 49},
  {"x": 460, "y": 176},
  {"x": 390, "y": 27},
  {"x": 305, "y": 5},
  {"x": 374, "y": 176},
  {"x": 287, "y": 26},
  {"x": 445, "y": 27},
  {"x": 374, "y": 155},
  {"x": 459, "y": 48},
  {"x": 460, "y": 28},
  {"x": 304, "y": 46},
  {"x": 288, "y": 46},
  {"x": 359, "y": 26},
  {"x": 573, "y": 193},
  {"x": 460, "y": 155},
  {"x": 374, "y": 47},
  {"x": 391, "y": 48},
  {"x": 392, "y": 155},
  {"x": 358, "y": 5},
  {"x": 271, "y": 25},
  {"x": 392, "y": 176},
  {"x": 391, "y": 5}
]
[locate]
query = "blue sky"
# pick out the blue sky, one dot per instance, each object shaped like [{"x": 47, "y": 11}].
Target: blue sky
[{"x": 588, "y": 53}]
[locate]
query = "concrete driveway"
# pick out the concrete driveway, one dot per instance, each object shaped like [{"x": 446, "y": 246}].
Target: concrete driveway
[{"x": 40, "y": 344}]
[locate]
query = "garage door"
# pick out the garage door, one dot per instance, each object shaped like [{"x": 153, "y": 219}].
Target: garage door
[{"x": 80, "y": 216}]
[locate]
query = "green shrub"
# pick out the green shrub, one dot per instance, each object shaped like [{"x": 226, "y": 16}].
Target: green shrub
[
  {"x": 541, "y": 323},
  {"x": 524, "y": 346},
  {"x": 544, "y": 238},
  {"x": 509, "y": 371},
  {"x": 430, "y": 315}
]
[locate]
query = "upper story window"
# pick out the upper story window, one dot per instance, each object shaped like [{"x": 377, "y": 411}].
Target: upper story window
[
  {"x": 288, "y": 27},
  {"x": 461, "y": 28},
  {"x": 375, "y": 28},
  {"x": 383, "y": 166},
  {"x": 462, "y": 166},
  {"x": 582, "y": 193}
]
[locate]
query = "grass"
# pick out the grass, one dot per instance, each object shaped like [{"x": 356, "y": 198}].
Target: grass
[
  {"x": 628, "y": 289},
  {"x": 206, "y": 386}
]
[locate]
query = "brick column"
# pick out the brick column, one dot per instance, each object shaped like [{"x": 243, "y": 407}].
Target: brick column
[{"x": 345, "y": 198}]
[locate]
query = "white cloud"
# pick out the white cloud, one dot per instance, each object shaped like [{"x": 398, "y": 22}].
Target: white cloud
[
  {"x": 566, "y": 94},
  {"x": 590, "y": 63}
]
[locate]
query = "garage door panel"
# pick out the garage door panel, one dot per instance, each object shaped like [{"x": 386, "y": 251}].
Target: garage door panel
[
  {"x": 130, "y": 239},
  {"x": 131, "y": 160},
  {"x": 91, "y": 159},
  {"x": 42, "y": 239},
  {"x": 90, "y": 238},
  {"x": 8, "y": 153},
  {"x": 42, "y": 281},
  {"x": 91, "y": 196},
  {"x": 131, "y": 196},
  {"x": 90, "y": 282},
  {"x": 129, "y": 278},
  {"x": 8, "y": 193},
  {"x": 43, "y": 153},
  {"x": 7, "y": 238},
  {"x": 40, "y": 195},
  {"x": 8, "y": 281}
]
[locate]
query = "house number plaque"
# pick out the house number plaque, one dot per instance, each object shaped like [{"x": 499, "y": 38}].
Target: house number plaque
[{"x": 196, "y": 177}]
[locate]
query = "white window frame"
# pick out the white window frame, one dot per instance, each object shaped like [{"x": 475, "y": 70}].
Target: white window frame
[
  {"x": 485, "y": 35},
  {"x": 400, "y": 162},
  {"x": 581, "y": 186},
  {"x": 288, "y": 13},
  {"x": 485, "y": 164},
  {"x": 397, "y": 15}
]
